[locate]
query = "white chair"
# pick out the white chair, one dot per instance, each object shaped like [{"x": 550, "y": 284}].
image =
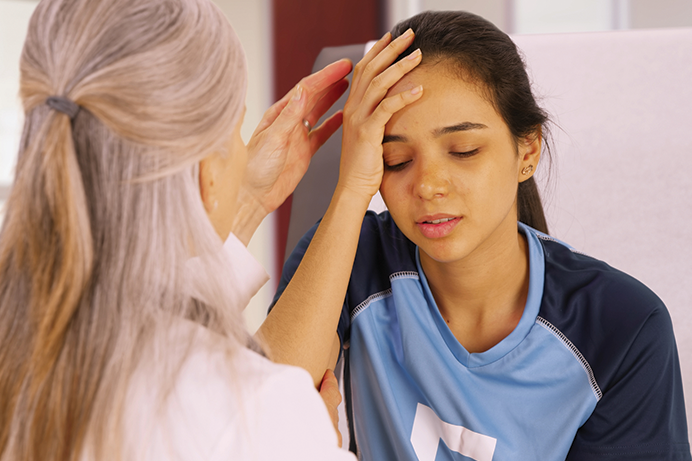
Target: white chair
[{"x": 620, "y": 187}]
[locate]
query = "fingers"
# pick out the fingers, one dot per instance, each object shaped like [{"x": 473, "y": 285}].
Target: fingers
[
  {"x": 395, "y": 103},
  {"x": 380, "y": 45},
  {"x": 381, "y": 84},
  {"x": 330, "y": 96},
  {"x": 329, "y": 391},
  {"x": 309, "y": 99},
  {"x": 315, "y": 84},
  {"x": 275, "y": 110},
  {"x": 372, "y": 66},
  {"x": 319, "y": 135}
]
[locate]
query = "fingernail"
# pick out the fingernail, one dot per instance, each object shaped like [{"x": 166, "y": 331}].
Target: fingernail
[
  {"x": 417, "y": 89},
  {"x": 298, "y": 93},
  {"x": 408, "y": 33},
  {"x": 414, "y": 55},
  {"x": 386, "y": 34}
]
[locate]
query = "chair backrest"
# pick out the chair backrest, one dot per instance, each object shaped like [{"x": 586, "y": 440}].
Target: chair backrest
[
  {"x": 621, "y": 183},
  {"x": 620, "y": 186}
]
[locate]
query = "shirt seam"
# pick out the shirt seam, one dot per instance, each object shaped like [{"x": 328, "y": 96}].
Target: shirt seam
[
  {"x": 575, "y": 352},
  {"x": 384, "y": 293},
  {"x": 548, "y": 238},
  {"x": 370, "y": 299}
]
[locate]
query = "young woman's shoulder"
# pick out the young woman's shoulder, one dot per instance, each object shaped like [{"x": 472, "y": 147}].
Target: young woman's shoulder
[
  {"x": 623, "y": 334},
  {"x": 576, "y": 281},
  {"x": 383, "y": 250},
  {"x": 605, "y": 313},
  {"x": 383, "y": 247}
]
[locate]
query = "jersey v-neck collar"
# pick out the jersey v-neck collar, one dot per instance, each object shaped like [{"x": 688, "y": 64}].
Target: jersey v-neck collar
[{"x": 527, "y": 321}]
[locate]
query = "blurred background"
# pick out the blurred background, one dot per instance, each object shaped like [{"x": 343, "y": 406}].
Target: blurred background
[{"x": 282, "y": 39}]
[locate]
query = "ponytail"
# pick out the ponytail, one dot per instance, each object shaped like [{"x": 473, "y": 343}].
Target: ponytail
[
  {"x": 63, "y": 267},
  {"x": 47, "y": 237},
  {"x": 529, "y": 206}
]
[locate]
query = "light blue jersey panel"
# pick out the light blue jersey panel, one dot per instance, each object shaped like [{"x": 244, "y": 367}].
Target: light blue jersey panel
[{"x": 418, "y": 395}]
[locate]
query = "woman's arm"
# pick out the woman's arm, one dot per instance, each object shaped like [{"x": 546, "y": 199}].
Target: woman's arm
[{"x": 301, "y": 328}]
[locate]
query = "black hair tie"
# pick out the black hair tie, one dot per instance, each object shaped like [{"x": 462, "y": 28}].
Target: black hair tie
[{"x": 64, "y": 105}]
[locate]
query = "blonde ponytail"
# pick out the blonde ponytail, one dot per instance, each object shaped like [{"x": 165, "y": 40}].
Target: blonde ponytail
[
  {"x": 62, "y": 267},
  {"x": 47, "y": 236}
]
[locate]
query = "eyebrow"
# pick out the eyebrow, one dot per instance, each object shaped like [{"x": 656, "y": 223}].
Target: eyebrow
[{"x": 465, "y": 126}]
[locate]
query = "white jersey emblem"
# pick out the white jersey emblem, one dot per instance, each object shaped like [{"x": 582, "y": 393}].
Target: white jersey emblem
[{"x": 428, "y": 429}]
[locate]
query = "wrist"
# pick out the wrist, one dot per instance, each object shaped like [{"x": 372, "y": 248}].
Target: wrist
[
  {"x": 355, "y": 194},
  {"x": 248, "y": 216},
  {"x": 351, "y": 201}
]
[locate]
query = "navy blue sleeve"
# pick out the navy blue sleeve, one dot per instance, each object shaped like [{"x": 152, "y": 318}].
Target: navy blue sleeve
[
  {"x": 290, "y": 268},
  {"x": 625, "y": 333},
  {"x": 641, "y": 415}
]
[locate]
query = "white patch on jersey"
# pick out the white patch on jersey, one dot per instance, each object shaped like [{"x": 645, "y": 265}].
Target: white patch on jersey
[{"x": 428, "y": 429}]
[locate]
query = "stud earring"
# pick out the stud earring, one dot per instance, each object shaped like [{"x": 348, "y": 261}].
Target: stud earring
[{"x": 527, "y": 170}]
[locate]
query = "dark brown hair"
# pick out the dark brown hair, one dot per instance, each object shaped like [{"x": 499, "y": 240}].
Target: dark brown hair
[{"x": 484, "y": 54}]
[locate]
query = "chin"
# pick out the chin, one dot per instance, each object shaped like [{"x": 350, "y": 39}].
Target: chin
[{"x": 442, "y": 252}]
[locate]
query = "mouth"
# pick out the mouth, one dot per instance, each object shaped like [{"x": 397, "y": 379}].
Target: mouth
[
  {"x": 437, "y": 226},
  {"x": 438, "y": 221}
]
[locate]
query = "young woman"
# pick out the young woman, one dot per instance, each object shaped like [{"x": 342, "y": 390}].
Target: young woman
[
  {"x": 468, "y": 332},
  {"x": 121, "y": 334}
]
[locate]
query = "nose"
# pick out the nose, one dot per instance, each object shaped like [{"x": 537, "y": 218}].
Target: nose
[{"x": 431, "y": 180}]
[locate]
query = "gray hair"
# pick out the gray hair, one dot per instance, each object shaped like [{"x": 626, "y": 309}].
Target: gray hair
[{"x": 105, "y": 212}]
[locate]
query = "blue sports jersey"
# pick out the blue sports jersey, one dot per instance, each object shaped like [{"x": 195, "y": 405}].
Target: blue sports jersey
[{"x": 590, "y": 372}]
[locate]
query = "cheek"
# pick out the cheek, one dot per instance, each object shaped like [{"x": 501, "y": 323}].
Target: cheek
[
  {"x": 500, "y": 188},
  {"x": 392, "y": 191}
]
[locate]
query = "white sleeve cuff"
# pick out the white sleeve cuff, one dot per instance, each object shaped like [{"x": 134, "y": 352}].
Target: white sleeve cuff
[
  {"x": 248, "y": 275},
  {"x": 245, "y": 275}
]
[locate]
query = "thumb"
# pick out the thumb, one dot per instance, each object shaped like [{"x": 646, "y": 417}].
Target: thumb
[{"x": 329, "y": 389}]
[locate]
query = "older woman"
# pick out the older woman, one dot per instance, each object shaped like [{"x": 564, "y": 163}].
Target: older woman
[{"x": 121, "y": 334}]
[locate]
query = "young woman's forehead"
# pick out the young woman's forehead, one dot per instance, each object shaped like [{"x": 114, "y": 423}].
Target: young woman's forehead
[{"x": 447, "y": 100}]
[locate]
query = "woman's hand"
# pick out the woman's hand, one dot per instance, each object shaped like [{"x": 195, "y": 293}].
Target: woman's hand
[
  {"x": 368, "y": 110},
  {"x": 329, "y": 391},
  {"x": 281, "y": 147}
]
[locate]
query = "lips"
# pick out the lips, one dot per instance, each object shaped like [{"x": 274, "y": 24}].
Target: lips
[{"x": 437, "y": 226}]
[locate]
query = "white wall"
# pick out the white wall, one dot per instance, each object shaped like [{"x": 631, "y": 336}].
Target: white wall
[
  {"x": 648, "y": 14},
  {"x": 549, "y": 16},
  {"x": 14, "y": 20},
  {"x": 520, "y": 16},
  {"x": 252, "y": 22},
  {"x": 498, "y": 12},
  {"x": 557, "y": 16}
]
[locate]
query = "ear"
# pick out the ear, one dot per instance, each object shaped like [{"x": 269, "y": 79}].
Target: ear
[
  {"x": 207, "y": 179},
  {"x": 529, "y": 148}
]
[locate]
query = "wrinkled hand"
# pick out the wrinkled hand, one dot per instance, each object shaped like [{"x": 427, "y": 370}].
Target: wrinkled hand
[
  {"x": 281, "y": 147},
  {"x": 368, "y": 110},
  {"x": 329, "y": 391}
]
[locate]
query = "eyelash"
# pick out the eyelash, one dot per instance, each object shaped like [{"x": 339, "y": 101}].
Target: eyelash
[
  {"x": 397, "y": 167},
  {"x": 402, "y": 165},
  {"x": 470, "y": 153}
]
